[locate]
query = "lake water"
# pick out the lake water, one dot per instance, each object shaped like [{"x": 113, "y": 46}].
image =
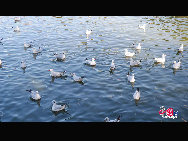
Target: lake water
[{"x": 103, "y": 94}]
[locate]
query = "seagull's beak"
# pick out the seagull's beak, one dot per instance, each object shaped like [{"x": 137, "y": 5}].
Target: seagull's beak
[{"x": 48, "y": 70}]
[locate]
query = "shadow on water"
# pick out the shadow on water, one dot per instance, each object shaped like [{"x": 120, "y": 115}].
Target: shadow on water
[
  {"x": 111, "y": 71},
  {"x": 35, "y": 56},
  {"x": 79, "y": 82},
  {"x": 157, "y": 63},
  {"x": 36, "y": 101},
  {"x": 60, "y": 112},
  {"x": 136, "y": 102},
  {"x": 175, "y": 70},
  {"x": 179, "y": 52},
  {"x": 23, "y": 69},
  {"x": 61, "y": 77}
]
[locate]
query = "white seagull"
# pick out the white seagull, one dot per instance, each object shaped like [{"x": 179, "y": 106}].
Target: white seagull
[
  {"x": 88, "y": 32},
  {"x": 134, "y": 63},
  {"x": 138, "y": 47},
  {"x": 17, "y": 19},
  {"x": 17, "y": 29},
  {"x": 56, "y": 107},
  {"x": 161, "y": 60},
  {"x": 115, "y": 120},
  {"x": 143, "y": 27},
  {"x": 77, "y": 78},
  {"x": 181, "y": 48},
  {"x": 129, "y": 54},
  {"x": 56, "y": 74},
  {"x": 60, "y": 56},
  {"x": 27, "y": 45},
  {"x": 0, "y": 62},
  {"x": 130, "y": 77},
  {"x": 34, "y": 94},
  {"x": 36, "y": 51},
  {"x": 112, "y": 67},
  {"x": 136, "y": 95},
  {"x": 176, "y": 65},
  {"x": 23, "y": 65},
  {"x": 91, "y": 63}
]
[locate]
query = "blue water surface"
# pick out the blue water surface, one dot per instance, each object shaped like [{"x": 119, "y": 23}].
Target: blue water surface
[{"x": 103, "y": 93}]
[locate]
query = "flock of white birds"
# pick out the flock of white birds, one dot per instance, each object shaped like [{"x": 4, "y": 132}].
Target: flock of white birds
[{"x": 61, "y": 57}]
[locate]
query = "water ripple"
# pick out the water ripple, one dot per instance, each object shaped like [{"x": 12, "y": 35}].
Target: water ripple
[{"x": 103, "y": 93}]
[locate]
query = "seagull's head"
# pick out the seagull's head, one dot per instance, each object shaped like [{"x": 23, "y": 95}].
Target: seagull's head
[
  {"x": 138, "y": 89},
  {"x": 93, "y": 59},
  {"x": 50, "y": 70},
  {"x": 164, "y": 55},
  {"x": 53, "y": 102}
]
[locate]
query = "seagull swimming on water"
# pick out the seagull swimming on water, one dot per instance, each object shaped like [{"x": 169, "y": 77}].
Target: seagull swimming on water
[
  {"x": 17, "y": 19},
  {"x": 130, "y": 77},
  {"x": 88, "y": 32},
  {"x": 36, "y": 51},
  {"x": 26, "y": 45},
  {"x": 129, "y": 54},
  {"x": 56, "y": 107},
  {"x": 181, "y": 48},
  {"x": 56, "y": 74},
  {"x": 17, "y": 29},
  {"x": 60, "y": 56},
  {"x": 77, "y": 78},
  {"x": 176, "y": 65},
  {"x": 112, "y": 67},
  {"x": 138, "y": 47},
  {"x": 34, "y": 94},
  {"x": 161, "y": 60},
  {"x": 143, "y": 27},
  {"x": 90, "y": 62},
  {"x": 134, "y": 63},
  {"x": 136, "y": 95},
  {"x": 23, "y": 65},
  {"x": 115, "y": 120}
]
